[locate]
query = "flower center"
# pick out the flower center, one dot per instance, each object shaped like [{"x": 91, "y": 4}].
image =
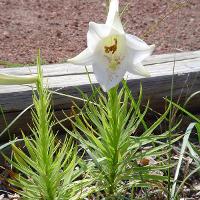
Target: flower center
[{"x": 114, "y": 50}]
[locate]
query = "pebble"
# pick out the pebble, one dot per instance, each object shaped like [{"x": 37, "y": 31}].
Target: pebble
[
  {"x": 6, "y": 34},
  {"x": 10, "y": 197}
]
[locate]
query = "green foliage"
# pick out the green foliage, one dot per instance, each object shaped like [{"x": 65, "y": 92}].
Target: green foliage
[
  {"x": 47, "y": 170},
  {"x": 194, "y": 150},
  {"x": 9, "y": 64},
  {"x": 107, "y": 130},
  {"x": 182, "y": 152}
]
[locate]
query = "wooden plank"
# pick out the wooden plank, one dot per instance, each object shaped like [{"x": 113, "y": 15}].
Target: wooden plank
[
  {"x": 79, "y": 77},
  {"x": 63, "y": 77},
  {"x": 69, "y": 69}
]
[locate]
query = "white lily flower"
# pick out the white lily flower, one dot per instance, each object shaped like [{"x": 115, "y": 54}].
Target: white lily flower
[
  {"x": 112, "y": 52},
  {"x": 7, "y": 79}
]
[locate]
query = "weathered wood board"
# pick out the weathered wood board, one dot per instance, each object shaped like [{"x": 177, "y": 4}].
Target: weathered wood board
[{"x": 66, "y": 77}]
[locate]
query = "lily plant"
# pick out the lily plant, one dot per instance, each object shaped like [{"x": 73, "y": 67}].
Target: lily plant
[
  {"x": 112, "y": 52},
  {"x": 107, "y": 127},
  {"x": 7, "y": 79}
]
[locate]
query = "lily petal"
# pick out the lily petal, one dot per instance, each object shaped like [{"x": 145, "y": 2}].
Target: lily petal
[
  {"x": 113, "y": 9},
  {"x": 105, "y": 76},
  {"x": 117, "y": 24},
  {"x": 7, "y": 79},
  {"x": 137, "y": 56},
  {"x": 138, "y": 69},
  {"x": 136, "y": 43},
  {"x": 113, "y": 18},
  {"x": 84, "y": 58},
  {"x": 101, "y": 30},
  {"x": 95, "y": 33}
]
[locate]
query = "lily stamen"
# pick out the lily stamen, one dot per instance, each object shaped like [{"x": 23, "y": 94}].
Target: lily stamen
[{"x": 112, "y": 48}]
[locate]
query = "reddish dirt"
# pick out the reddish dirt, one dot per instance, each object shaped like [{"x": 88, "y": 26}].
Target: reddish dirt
[{"x": 59, "y": 27}]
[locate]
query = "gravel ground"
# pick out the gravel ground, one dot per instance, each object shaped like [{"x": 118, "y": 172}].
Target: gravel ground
[{"x": 59, "y": 27}]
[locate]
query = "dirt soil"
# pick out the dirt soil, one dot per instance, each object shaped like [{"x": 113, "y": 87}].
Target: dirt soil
[{"x": 59, "y": 27}]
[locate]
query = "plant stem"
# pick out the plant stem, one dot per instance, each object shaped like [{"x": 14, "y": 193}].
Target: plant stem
[
  {"x": 113, "y": 107},
  {"x": 44, "y": 133}
]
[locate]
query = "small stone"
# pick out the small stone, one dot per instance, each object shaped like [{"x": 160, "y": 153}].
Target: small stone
[
  {"x": 18, "y": 23},
  {"x": 198, "y": 194},
  {"x": 6, "y": 34},
  {"x": 14, "y": 196},
  {"x": 191, "y": 19},
  {"x": 2, "y": 197},
  {"x": 58, "y": 33},
  {"x": 197, "y": 187},
  {"x": 53, "y": 15}
]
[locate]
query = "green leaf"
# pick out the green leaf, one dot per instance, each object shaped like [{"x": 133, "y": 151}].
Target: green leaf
[{"x": 183, "y": 148}]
